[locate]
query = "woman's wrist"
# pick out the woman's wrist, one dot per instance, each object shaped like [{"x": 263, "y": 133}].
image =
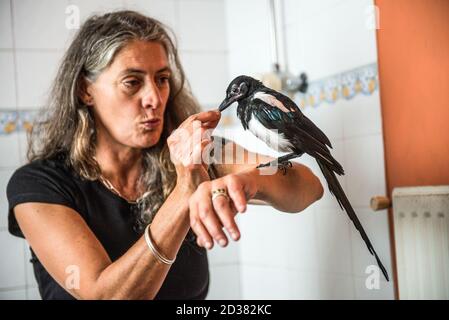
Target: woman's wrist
[
  {"x": 189, "y": 179},
  {"x": 254, "y": 178}
]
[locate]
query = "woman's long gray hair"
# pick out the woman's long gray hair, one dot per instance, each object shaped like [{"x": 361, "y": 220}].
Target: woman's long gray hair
[{"x": 67, "y": 125}]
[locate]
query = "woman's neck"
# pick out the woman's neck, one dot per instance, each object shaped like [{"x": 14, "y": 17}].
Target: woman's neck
[{"x": 121, "y": 166}]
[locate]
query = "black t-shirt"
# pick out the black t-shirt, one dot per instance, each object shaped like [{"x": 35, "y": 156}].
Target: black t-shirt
[{"x": 112, "y": 220}]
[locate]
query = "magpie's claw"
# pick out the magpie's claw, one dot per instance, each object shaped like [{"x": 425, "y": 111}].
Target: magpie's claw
[{"x": 282, "y": 166}]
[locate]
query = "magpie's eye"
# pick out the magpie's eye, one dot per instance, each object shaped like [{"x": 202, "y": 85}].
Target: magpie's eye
[{"x": 234, "y": 89}]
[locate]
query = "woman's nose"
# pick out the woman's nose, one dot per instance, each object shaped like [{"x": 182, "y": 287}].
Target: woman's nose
[{"x": 151, "y": 97}]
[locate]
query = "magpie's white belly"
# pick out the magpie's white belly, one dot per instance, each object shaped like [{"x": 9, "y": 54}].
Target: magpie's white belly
[{"x": 273, "y": 139}]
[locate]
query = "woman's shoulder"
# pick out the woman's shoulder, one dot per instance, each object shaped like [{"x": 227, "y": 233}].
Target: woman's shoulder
[
  {"x": 45, "y": 181},
  {"x": 51, "y": 167}
]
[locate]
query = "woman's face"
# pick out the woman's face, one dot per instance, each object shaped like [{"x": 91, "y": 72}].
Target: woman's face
[{"x": 130, "y": 94}]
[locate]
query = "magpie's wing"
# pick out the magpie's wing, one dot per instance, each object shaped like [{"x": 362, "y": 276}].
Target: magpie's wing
[
  {"x": 305, "y": 122},
  {"x": 290, "y": 125}
]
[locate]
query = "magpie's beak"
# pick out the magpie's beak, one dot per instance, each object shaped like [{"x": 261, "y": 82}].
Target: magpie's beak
[{"x": 227, "y": 102}]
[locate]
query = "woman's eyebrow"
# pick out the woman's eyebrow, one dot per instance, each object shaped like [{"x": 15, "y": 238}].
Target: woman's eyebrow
[
  {"x": 131, "y": 70},
  {"x": 140, "y": 71},
  {"x": 164, "y": 69}
]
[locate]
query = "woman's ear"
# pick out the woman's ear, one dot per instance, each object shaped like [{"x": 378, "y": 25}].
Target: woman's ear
[{"x": 84, "y": 92}]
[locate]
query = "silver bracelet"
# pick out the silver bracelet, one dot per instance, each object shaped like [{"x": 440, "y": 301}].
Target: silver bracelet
[{"x": 156, "y": 253}]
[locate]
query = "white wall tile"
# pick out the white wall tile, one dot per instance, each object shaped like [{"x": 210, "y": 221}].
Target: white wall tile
[
  {"x": 23, "y": 147},
  {"x": 36, "y": 71},
  {"x": 334, "y": 241},
  {"x": 362, "y": 115},
  {"x": 17, "y": 294},
  {"x": 33, "y": 294},
  {"x": 89, "y": 7},
  {"x": 300, "y": 10},
  {"x": 336, "y": 287},
  {"x": 288, "y": 238},
  {"x": 261, "y": 282},
  {"x": 304, "y": 285},
  {"x": 248, "y": 37},
  {"x": 375, "y": 224},
  {"x": 5, "y": 24},
  {"x": 329, "y": 118},
  {"x": 224, "y": 283},
  {"x": 5, "y": 175},
  {"x": 9, "y": 145},
  {"x": 337, "y": 40},
  {"x": 202, "y": 25},
  {"x": 253, "y": 242},
  {"x": 207, "y": 74},
  {"x": 365, "y": 169},
  {"x": 295, "y": 50},
  {"x": 384, "y": 292},
  {"x": 12, "y": 269},
  {"x": 7, "y": 79},
  {"x": 163, "y": 10},
  {"x": 219, "y": 256},
  {"x": 40, "y": 24}
]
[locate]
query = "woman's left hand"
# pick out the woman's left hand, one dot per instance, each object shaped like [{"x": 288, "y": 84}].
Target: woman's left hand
[{"x": 208, "y": 217}]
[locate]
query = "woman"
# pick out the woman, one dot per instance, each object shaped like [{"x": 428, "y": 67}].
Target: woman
[{"x": 107, "y": 160}]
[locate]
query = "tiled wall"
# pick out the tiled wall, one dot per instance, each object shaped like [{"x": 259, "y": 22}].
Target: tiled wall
[
  {"x": 317, "y": 253},
  {"x": 32, "y": 40}
]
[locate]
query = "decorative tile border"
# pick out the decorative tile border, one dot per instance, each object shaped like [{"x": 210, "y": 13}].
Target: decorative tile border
[
  {"x": 16, "y": 121},
  {"x": 346, "y": 85}
]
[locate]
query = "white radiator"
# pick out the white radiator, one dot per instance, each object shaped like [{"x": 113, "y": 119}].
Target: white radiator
[{"x": 421, "y": 226}]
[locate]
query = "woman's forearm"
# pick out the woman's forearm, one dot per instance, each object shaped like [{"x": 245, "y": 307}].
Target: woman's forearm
[
  {"x": 138, "y": 274},
  {"x": 292, "y": 192}
]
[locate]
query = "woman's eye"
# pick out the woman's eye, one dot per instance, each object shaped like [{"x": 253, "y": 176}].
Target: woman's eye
[
  {"x": 163, "y": 80},
  {"x": 131, "y": 83}
]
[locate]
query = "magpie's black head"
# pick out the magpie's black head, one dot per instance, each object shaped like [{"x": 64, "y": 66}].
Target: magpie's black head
[{"x": 239, "y": 88}]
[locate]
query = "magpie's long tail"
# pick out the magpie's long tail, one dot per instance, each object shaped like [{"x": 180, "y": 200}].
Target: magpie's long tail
[{"x": 336, "y": 189}]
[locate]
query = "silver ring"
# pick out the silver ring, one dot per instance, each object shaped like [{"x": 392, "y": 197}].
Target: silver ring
[{"x": 220, "y": 192}]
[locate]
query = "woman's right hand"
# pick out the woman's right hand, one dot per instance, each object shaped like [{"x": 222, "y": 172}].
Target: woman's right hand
[{"x": 187, "y": 145}]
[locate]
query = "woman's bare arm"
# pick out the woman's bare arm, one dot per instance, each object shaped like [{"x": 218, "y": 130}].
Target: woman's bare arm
[
  {"x": 292, "y": 192},
  {"x": 64, "y": 243}
]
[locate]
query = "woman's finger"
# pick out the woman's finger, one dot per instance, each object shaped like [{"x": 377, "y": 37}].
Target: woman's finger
[
  {"x": 203, "y": 237},
  {"x": 206, "y": 116},
  {"x": 210, "y": 220},
  {"x": 237, "y": 194},
  {"x": 198, "y": 155},
  {"x": 211, "y": 124},
  {"x": 226, "y": 215}
]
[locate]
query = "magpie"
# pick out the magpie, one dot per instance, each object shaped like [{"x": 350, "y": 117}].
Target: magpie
[{"x": 275, "y": 119}]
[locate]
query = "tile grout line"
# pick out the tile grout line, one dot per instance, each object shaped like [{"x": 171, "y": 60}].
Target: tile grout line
[
  {"x": 13, "y": 288},
  {"x": 42, "y": 50}
]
